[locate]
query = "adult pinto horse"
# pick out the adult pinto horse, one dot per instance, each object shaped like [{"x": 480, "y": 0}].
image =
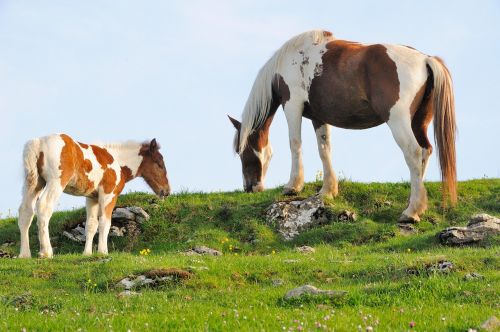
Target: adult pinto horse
[
  {"x": 56, "y": 163},
  {"x": 353, "y": 86}
]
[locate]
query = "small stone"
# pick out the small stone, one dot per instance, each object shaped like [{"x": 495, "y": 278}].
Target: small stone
[
  {"x": 347, "y": 215},
  {"x": 4, "y": 254},
  {"x": 8, "y": 244},
  {"x": 306, "y": 249},
  {"x": 311, "y": 290},
  {"x": 473, "y": 276},
  {"x": 443, "y": 267},
  {"x": 407, "y": 229},
  {"x": 127, "y": 293},
  {"x": 125, "y": 283},
  {"x": 202, "y": 250},
  {"x": 277, "y": 282},
  {"x": 491, "y": 324},
  {"x": 291, "y": 261}
]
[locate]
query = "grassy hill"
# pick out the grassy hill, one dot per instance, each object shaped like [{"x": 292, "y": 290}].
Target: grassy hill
[{"x": 384, "y": 272}]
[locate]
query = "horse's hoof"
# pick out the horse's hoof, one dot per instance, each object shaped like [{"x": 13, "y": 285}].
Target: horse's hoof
[
  {"x": 290, "y": 191},
  {"x": 404, "y": 219},
  {"x": 24, "y": 255}
]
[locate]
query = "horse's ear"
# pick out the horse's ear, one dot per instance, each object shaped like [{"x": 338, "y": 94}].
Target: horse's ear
[
  {"x": 235, "y": 122},
  {"x": 153, "y": 146}
]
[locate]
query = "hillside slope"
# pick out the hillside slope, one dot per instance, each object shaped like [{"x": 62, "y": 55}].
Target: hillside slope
[{"x": 386, "y": 274}]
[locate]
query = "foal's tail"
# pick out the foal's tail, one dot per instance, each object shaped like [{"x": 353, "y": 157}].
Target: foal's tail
[
  {"x": 444, "y": 126},
  {"x": 31, "y": 155}
]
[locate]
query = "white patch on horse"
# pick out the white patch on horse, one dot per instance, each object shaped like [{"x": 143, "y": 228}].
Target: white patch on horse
[{"x": 412, "y": 74}]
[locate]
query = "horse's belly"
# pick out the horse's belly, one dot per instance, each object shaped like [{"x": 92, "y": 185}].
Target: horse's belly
[{"x": 346, "y": 114}]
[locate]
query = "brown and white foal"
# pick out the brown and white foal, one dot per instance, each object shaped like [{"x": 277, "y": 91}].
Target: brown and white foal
[{"x": 56, "y": 163}]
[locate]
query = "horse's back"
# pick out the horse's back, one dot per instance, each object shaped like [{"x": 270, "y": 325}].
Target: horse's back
[{"x": 354, "y": 86}]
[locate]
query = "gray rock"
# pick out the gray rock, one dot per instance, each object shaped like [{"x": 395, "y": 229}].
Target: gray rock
[
  {"x": 140, "y": 215},
  {"x": 4, "y": 254},
  {"x": 473, "y": 276},
  {"x": 491, "y": 324},
  {"x": 291, "y": 261},
  {"x": 347, "y": 215},
  {"x": 441, "y": 267},
  {"x": 407, "y": 229},
  {"x": 277, "y": 282},
  {"x": 311, "y": 290},
  {"x": 306, "y": 249},
  {"x": 117, "y": 231},
  {"x": 295, "y": 216},
  {"x": 202, "y": 250},
  {"x": 128, "y": 293},
  {"x": 8, "y": 244},
  {"x": 479, "y": 227},
  {"x": 123, "y": 214}
]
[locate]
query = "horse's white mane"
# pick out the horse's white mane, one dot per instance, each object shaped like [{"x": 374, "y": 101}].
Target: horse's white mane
[{"x": 257, "y": 106}]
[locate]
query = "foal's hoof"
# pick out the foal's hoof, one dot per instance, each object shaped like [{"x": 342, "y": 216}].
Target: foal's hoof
[
  {"x": 289, "y": 191},
  {"x": 404, "y": 219}
]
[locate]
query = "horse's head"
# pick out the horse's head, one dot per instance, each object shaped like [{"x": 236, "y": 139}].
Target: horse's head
[
  {"x": 152, "y": 169},
  {"x": 255, "y": 156}
]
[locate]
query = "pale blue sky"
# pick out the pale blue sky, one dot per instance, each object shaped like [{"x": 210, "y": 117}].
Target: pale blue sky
[{"x": 119, "y": 70}]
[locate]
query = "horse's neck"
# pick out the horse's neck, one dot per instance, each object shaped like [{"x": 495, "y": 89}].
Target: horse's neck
[{"x": 127, "y": 155}]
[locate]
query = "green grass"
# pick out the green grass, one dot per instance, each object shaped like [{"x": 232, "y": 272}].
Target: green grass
[{"x": 368, "y": 258}]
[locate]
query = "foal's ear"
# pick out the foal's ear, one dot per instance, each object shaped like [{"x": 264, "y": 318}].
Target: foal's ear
[
  {"x": 153, "y": 146},
  {"x": 235, "y": 122}
]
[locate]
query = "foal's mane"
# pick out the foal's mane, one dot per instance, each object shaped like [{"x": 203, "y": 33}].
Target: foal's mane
[{"x": 258, "y": 103}]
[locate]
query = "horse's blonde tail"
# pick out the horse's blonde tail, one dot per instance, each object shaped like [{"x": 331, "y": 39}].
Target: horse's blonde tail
[
  {"x": 31, "y": 154},
  {"x": 444, "y": 127}
]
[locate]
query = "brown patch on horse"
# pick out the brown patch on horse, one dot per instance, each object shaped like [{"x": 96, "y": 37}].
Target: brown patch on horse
[
  {"x": 73, "y": 168},
  {"x": 39, "y": 167},
  {"x": 126, "y": 173},
  {"x": 327, "y": 33},
  {"x": 83, "y": 145},
  {"x": 108, "y": 181},
  {"x": 102, "y": 155},
  {"x": 357, "y": 87},
  {"x": 421, "y": 110},
  {"x": 281, "y": 92}
]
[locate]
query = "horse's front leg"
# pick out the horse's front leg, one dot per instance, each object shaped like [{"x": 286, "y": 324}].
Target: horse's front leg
[
  {"x": 330, "y": 185},
  {"x": 293, "y": 113},
  {"x": 106, "y": 206}
]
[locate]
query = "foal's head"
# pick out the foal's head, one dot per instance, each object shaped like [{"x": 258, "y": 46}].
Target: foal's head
[
  {"x": 255, "y": 157},
  {"x": 152, "y": 168}
]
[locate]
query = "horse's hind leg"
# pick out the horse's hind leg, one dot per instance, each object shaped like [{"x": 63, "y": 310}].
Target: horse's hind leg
[
  {"x": 45, "y": 208},
  {"x": 400, "y": 125},
  {"x": 26, "y": 213},
  {"x": 330, "y": 184},
  {"x": 293, "y": 113}
]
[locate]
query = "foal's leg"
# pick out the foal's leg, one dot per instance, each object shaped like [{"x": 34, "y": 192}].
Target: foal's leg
[
  {"x": 45, "y": 208},
  {"x": 293, "y": 113},
  {"x": 91, "y": 224},
  {"x": 330, "y": 185},
  {"x": 400, "y": 125},
  {"x": 106, "y": 205},
  {"x": 26, "y": 212}
]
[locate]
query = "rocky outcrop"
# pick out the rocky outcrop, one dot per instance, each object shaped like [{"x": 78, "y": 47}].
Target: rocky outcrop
[
  {"x": 292, "y": 217},
  {"x": 153, "y": 279},
  {"x": 479, "y": 227},
  {"x": 124, "y": 221}
]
